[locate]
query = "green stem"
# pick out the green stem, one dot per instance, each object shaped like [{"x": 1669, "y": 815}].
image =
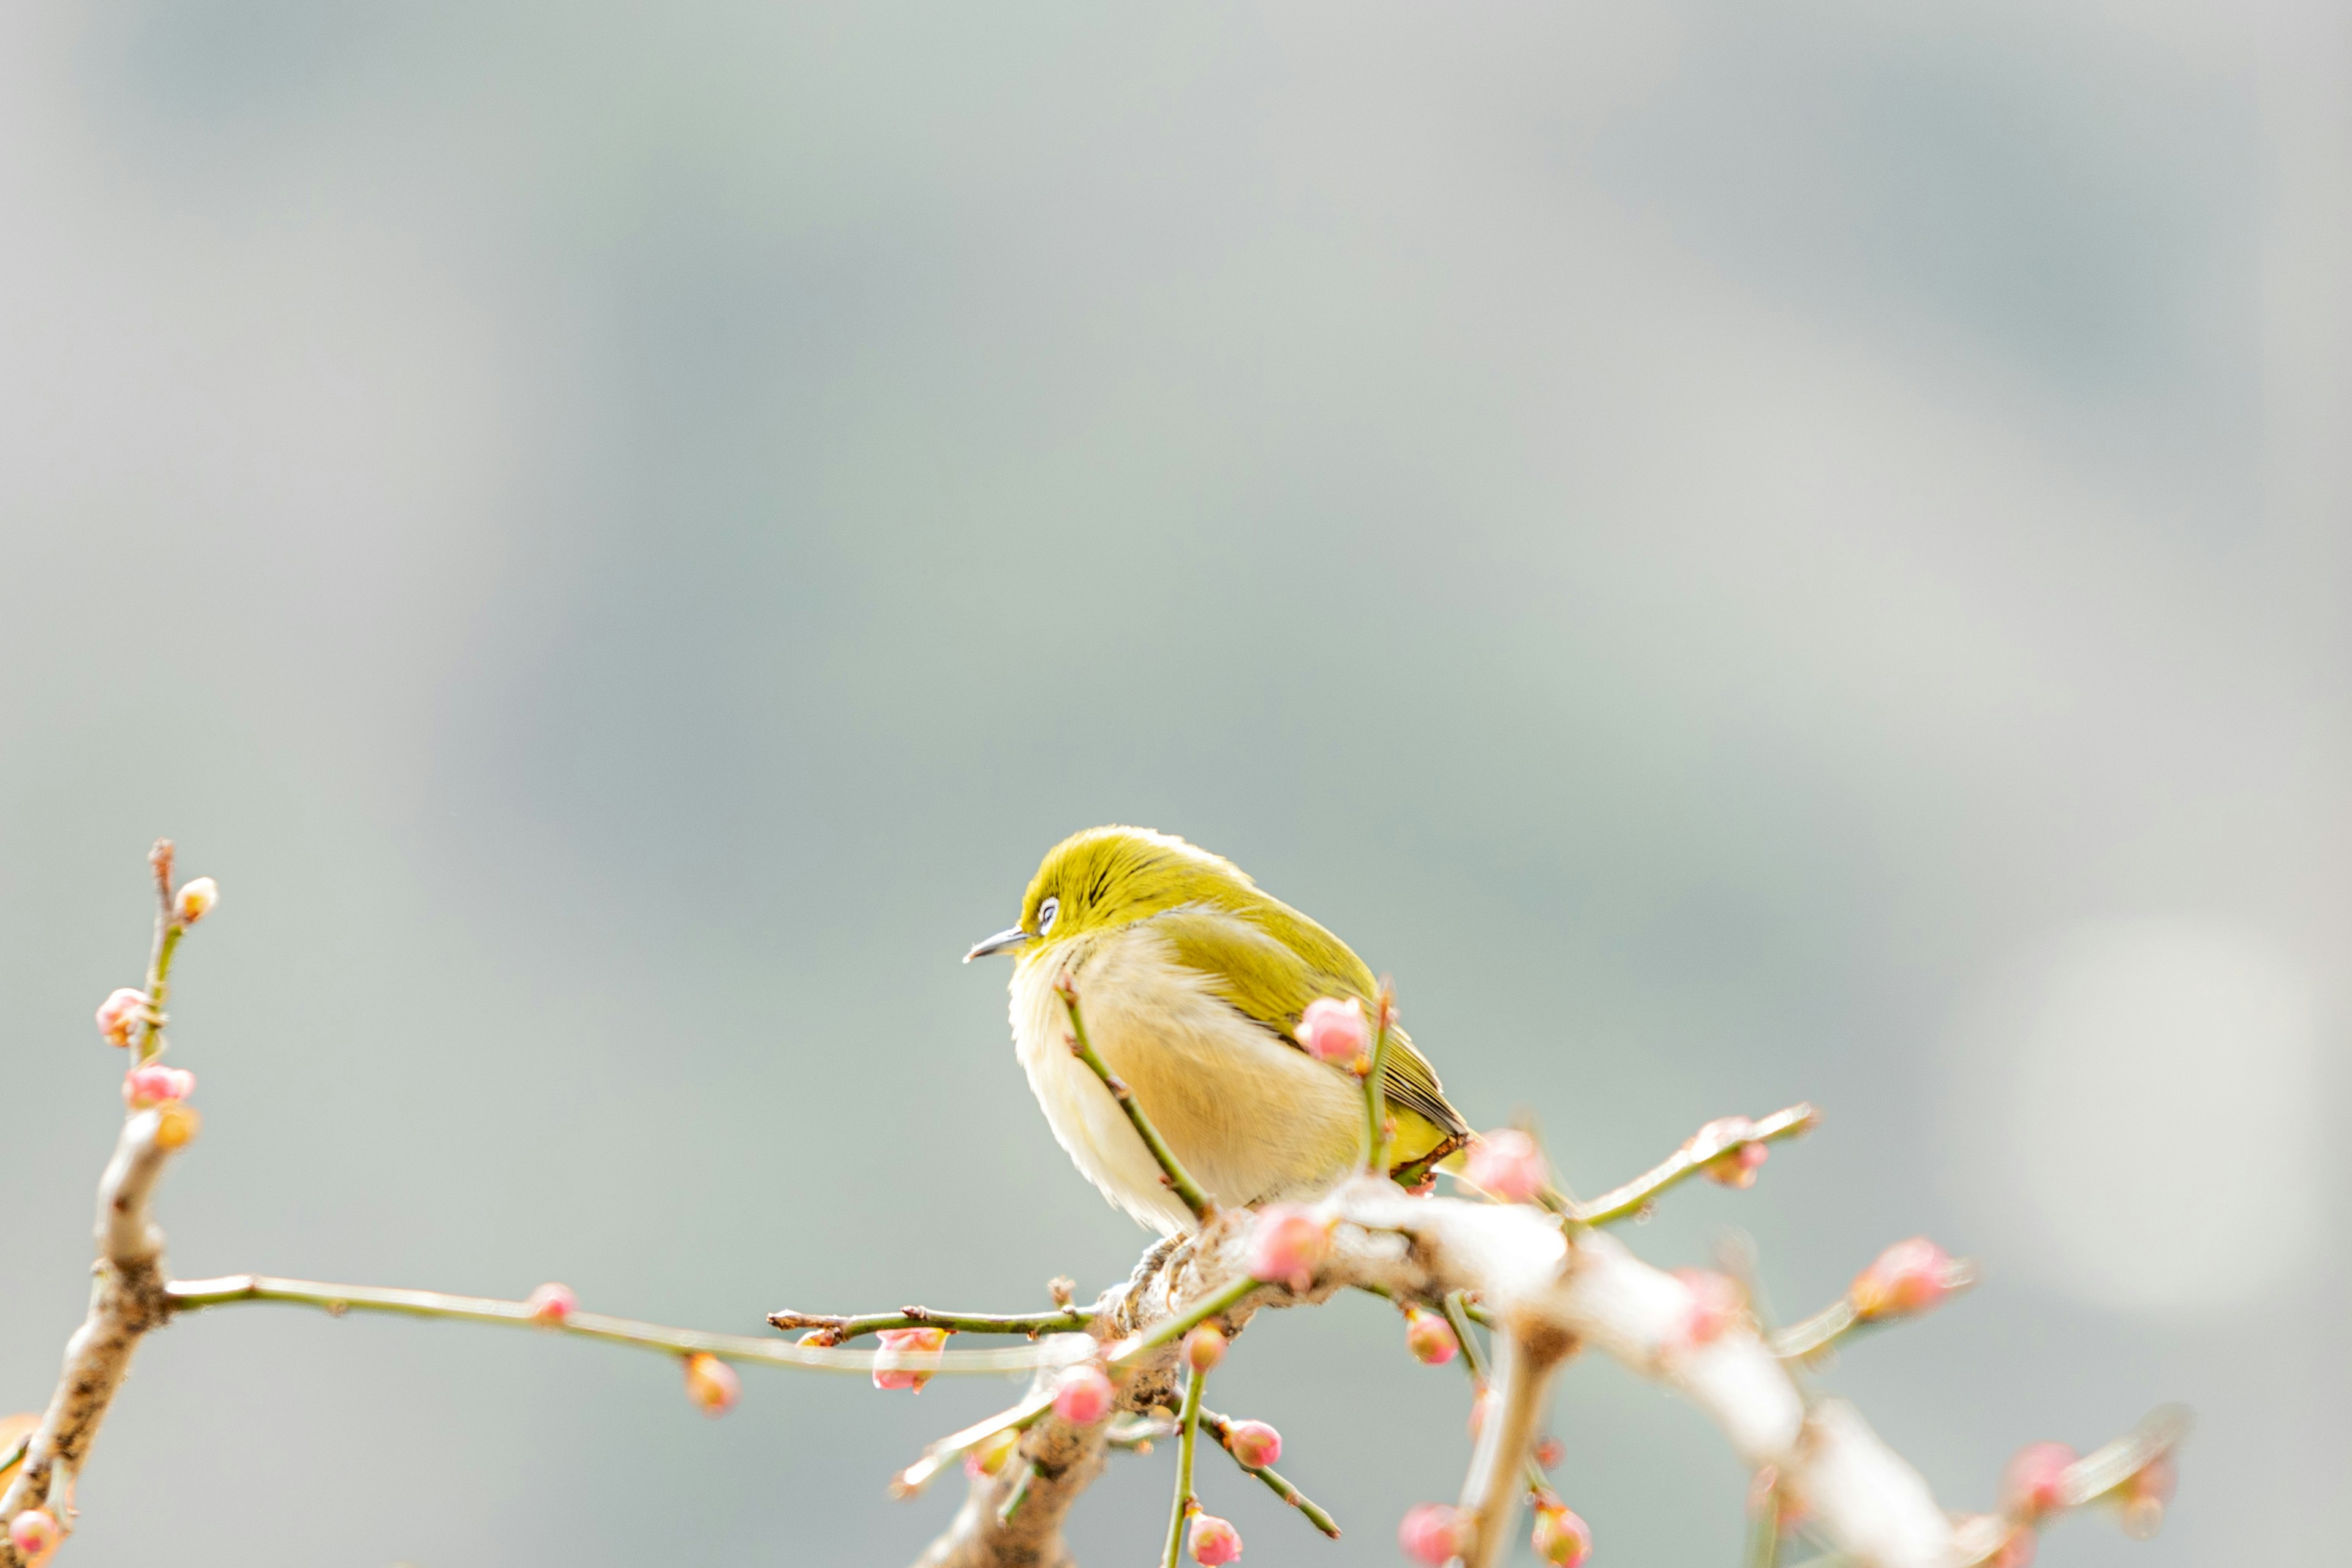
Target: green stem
[
  {"x": 936, "y": 1458},
  {"x": 15, "y": 1450},
  {"x": 1458, "y": 1313},
  {"x": 196, "y": 1295},
  {"x": 1066, "y": 1319},
  {"x": 1018, "y": 1494},
  {"x": 1221, "y": 1428},
  {"x": 168, "y": 930},
  {"x": 1376, "y": 1092},
  {"x": 1184, "y": 1322},
  {"x": 1637, "y": 1195},
  {"x": 1816, "y": 1333},
  {"x": 1764, "y": 1530},
  {"x": 1188, "y": 1432},
  {"x": 1172, "y": 1170}
]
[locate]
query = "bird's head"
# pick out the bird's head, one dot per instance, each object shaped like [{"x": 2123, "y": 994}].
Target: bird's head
[{"x": 1110, "y": 877}]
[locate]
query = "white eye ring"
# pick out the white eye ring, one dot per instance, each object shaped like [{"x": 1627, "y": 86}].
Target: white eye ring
[{"x": 1045, "y": 913}]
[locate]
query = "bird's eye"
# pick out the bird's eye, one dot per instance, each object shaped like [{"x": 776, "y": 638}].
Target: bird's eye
[{"x": 1045, "y": 913}]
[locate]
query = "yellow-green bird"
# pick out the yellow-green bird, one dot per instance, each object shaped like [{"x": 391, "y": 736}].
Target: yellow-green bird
[{"x": 1192, "y": 982}]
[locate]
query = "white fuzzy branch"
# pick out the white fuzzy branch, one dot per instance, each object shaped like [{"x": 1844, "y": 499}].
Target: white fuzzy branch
[
  {"x": 126, "y": 1301},
  {"x": 1548, "y": 1291}
]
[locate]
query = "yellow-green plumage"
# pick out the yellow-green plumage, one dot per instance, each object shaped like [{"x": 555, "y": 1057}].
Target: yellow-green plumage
[{"x": 1192, "y": 981}]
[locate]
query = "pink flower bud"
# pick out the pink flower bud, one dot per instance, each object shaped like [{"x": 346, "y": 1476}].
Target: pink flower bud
[
  {"x": 35, "y": 1534},
  {"x": 1486, "y": 1400},
  {"x": 1213, "y": 1541},
  {"x": 1084, "y": 1396},
  {"x": 196, "y": 900},
  {"x": 552, "y": 1305},
  {"x": 1334, "y": 1031},
  {"x": 1429, "y": 1337},
  {"x": 1253, "y": 1443},
  {"x": 989, "y": 1454},
  {"x": 1562, "y": 1539},
  {"x": 1550, "y": 1452},
  {"x": 2033, "y": 1486},
  {"x": 121, "y": 1013},
  {"x": 1507, "y": 1164},
  {"x": 156, "y": 1084},
  {"x": 1434, "y": 1533},
  {"x": 2143, "y": 1498},
  {"x": 908, "y": 1357},
  {"x": 1907, "y": 1278},
  {"x": 1287, "y": 1246},
  {"x": 1735, "y": 1165},
  {"x": 1716, "y": 1303},
  {"x": 711, "y": 1384},
  {"x": 1204, "y": 1347}
]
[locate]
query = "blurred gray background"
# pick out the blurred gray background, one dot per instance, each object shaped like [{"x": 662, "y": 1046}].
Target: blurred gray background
[{"x": 1744, "y": 553}]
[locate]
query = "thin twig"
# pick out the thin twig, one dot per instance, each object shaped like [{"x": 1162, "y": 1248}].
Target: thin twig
[
  {"x": 1500, "y": 1467},
  {"x": 1764, "y": 1525},
  {"x": 1138, "y": 1433},
  {"x": 1637, "y": 1194},
  {"x": 168, "y": 930},
  {"x": 1172, "y": 1169},
  {"x": 1839, "y": 1321},
  {"x": 1459, "y": 1309},
  {"x": 197, "y": 1295},
  {"x": 1221, "y": 1428},
  {"x": 1018, "y": 1494},
  {"x": 1177, "y": 1326},
  {"x": 833, "y": 1330},
  {"x": 1187, "y": 1434},
  {"x": 939, "y": 1455},
  {"x": 1458, "y": 1313}
]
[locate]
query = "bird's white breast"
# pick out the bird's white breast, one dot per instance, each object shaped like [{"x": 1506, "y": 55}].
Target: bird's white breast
[{"x": 1250, "y": 1117}]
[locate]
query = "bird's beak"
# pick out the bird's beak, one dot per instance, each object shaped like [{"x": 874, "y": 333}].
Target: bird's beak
[{"x": 1002, "y": 941}]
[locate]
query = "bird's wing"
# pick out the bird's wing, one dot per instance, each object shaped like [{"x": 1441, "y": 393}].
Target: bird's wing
[
  {"x": 1270, "y": 979},
  {"x": 1411, "y": 1082}
]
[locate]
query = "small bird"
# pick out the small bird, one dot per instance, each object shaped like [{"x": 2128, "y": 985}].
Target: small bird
[{"x": 1192, "y": 982}]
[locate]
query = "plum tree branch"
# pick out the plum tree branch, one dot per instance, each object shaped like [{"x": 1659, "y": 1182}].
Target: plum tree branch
[
  {"x": 1542, "y": 1289},
  {"x": 197, "y": 1295},
  {"x": 1712, "y": 1141},
  {"x": 829, "y": 1330},
  {"x": 1221, "y": 1428}
]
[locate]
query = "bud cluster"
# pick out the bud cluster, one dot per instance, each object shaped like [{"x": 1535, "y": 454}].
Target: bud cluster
[
  {"x": 908, "y": 1357},
  {"x": 1213, "y": 1540},
  {"x": 1253, "y": 1443},
  {"x": 1287, "y": 1246},
  {"x": 121, "y": 1012},
  {"x": 1429, "y": 1337},
  {"x": 1909, "y": 1277},
  {"x": 1333, "y": 1030},
  {"x": 712, "y": 1384},
  {"x": 1084, "y": 1396},
  {"x": 1736, "y": 1166},
  {"x": 1561, "y": 1537},
  {"x": 1507, "y": 1165},
  {"x": 552, "y": 1305},
  {"x": 1434, "y": 1533},
  {"x": 155, "y": 1084},
  {"x": 34, "y": 1533}
]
